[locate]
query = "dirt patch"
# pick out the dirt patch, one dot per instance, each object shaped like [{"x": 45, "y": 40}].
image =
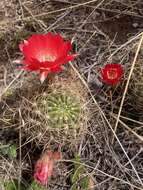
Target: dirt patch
[{"x": 120, "y": 28}]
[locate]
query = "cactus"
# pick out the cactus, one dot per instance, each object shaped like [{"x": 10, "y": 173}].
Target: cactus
[{"x": 60, "y": 109}]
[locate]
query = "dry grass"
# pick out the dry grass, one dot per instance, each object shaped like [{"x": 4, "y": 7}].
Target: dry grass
[{"x": 101, "y": 32}]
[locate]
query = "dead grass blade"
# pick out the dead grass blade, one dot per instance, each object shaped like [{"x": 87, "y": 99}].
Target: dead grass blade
[{"x": 127, "y": 84}]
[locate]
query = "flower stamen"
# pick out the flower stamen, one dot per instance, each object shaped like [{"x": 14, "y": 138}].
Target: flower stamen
[{"x": 112, "y": 73}]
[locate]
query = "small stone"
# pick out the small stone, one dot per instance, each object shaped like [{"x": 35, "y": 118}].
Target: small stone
[{"x": 135, "y": 24}]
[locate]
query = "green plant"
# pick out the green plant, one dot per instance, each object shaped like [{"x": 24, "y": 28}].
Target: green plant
[
  {"x": 9, "y": 150},
  {"x": 10, "y": 186},
  {"x": 78, "y": 179},
  {"x": 13, "y": 185},
  {"x": 61, "y": 109},
  {"x": 36, "y": 186}
]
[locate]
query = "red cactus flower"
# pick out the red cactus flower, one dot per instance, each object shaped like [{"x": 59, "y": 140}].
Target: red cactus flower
[
  {"x": 44, "y": 167},
  {"x": 45, "y": 53},
  {"x": 112, "y": 73}
]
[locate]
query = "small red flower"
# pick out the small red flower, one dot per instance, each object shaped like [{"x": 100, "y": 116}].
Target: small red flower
[
  {"x": 45, "y": 53},
  {"x": 44, "y": 167},
  {"x": 112, "y": 73}
]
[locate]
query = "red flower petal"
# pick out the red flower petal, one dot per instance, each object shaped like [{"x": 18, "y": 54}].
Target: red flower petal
[
  {"x": 41, "y": 45},
  {"x": 31, "y": 65},
  {"x": 65, "y": 48},
  {"x": 44, "y": 166},
  {"x": 64, "y": 60},
  {"x": 43, "y": 76},
  {"x": 112, "y": 73},
  {"x": 22, "y": 45},
  {"x": 42, "y": 173},
  {"x": 46, "y": 52}
]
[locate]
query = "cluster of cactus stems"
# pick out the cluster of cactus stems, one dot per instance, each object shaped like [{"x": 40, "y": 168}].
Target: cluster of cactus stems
[{"x": 61, "y": 109}]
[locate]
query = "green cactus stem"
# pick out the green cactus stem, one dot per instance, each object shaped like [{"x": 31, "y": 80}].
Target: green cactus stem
[{"x": 61, "y": 109}]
